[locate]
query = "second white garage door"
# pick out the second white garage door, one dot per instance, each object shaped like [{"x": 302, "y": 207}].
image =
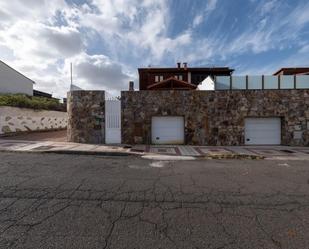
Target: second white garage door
[
  {"x": 263, "y": 131},
  {"x": 167, "y": 130}
]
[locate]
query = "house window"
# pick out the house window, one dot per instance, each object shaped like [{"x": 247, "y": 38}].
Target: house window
[
  {"x": 178, "y": 77},
  {"x": 158, "y": 78}
]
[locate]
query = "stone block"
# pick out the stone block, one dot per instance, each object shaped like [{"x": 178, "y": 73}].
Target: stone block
[
  {"x": 86, "y": 119},
  {"x": 297, "y": 134},
  {"x": 138, "y": 140},
  {"x": 212, "y": 117}
]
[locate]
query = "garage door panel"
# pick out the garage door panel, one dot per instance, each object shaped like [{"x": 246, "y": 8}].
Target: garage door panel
[
  {"x": 263, "y": 131},
  {"x": 167, "y": 130}
]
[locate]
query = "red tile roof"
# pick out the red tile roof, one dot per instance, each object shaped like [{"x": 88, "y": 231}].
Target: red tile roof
[
  {"x": 172, "y": 83},
  {"x": 292, "y": 70}
]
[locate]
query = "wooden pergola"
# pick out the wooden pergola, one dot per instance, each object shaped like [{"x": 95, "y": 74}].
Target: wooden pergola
[{"x": 172, "y": 84}]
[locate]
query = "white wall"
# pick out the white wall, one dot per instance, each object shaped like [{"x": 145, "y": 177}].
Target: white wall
[
  {"x": 13, "y": 119},
  {"x": 207, "y": 85},
  {"x": 14, "y": 82}
]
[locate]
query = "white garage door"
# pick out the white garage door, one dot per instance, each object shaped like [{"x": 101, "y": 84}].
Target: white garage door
[
  {"x": 167, "y": 130},
  {"x": 263, "y": 131}
]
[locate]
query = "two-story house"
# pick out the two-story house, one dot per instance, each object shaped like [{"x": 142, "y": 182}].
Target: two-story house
[{"x": 181, "y": 77}]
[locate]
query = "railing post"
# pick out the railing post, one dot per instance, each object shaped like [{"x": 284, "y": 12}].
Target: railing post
[
  {"x": 279, "y": 82},
  {"x": 263, "y": 82},
  {"x": 247, "y": 82},
  {"x": 294, "y": 81},
  {"x": 231, "y": 83},
  {"x": 215, "y": 81}
]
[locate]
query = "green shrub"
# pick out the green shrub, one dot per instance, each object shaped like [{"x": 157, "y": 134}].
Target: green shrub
[{"x": 24, "y": 101}]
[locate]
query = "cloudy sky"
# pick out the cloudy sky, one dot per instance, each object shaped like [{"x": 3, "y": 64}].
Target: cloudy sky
[{"x": 107, "y": 40}]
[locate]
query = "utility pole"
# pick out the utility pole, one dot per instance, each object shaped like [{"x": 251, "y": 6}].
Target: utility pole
[{"x": 71, "y": 74}]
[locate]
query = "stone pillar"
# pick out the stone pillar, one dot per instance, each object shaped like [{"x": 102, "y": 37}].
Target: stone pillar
[
  {"x": 131, "y": 86},
  {"x": 86, "y": 117}
]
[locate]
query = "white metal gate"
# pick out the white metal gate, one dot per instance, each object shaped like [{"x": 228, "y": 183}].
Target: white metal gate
[{"x": 112, "y": 120}]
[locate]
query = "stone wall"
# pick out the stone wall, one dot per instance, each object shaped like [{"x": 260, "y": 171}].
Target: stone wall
[
  {"x": 16, "y": 120},
  {"x": 86, "y": 119},
  {"x": 216, "y": 117}
]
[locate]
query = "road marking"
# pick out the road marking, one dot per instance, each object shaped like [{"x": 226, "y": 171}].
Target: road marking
[
  {"x": 158, "y": 164},
  {"x": 284, "y": 165},
  {"x": 168, "y": 158}
]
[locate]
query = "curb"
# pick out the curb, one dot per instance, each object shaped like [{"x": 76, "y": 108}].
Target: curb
[
  {"x": 235, "y": 156},
  {"x": 123, "y": 154},
  {"x": 89, "y": 153},
  {"x": 135, "y": 153}
]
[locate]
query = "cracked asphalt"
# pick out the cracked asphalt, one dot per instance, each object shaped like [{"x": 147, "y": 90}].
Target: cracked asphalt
[{"x": 70, "y": 201}]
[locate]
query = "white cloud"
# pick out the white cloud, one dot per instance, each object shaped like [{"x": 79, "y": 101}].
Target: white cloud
[
  {"x": 197, "y": 20},
  {"x": 267, "y": 6},
  {"x": 51, "y": 34},
  {"x": 41, "y": 40},
  {"x": 32, "y": 10},
  {"x": 200, "y": 17},
  {"x": 304, "y": 49},
  {"x": 66, "y": 41},
  {"x": 273, "y": 31},
  {"x": 47, "y": 38},
  {"x": 300, "y": 15},
  {"x": 133, "y": 24},
  {"x": 99, "y": 71},
  {"x": 211, "y": 5}
]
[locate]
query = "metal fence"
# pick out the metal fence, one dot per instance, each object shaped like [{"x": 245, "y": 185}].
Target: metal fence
[{"x": 262, "y": 82}]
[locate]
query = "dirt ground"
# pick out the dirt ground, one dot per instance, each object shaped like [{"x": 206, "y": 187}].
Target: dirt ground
[{"x": 57, "y": 136}]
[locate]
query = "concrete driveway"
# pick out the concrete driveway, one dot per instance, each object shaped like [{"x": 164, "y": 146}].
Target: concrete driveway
[{"x": 66, "y": 201}]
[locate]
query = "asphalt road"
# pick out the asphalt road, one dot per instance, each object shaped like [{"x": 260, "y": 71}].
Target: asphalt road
[{"x": 67, "y": 201}]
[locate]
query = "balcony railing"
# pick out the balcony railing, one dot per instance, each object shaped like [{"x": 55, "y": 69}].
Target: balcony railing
[{"x": 262, "y": 82}]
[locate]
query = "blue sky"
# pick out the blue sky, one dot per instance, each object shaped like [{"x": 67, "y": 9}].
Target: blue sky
[{"x": 107, "y": 40}]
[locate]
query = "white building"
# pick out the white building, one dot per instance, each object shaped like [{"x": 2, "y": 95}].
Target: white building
[
  {"x": 12, "y": 81},
  {"x": 207, "y": 85}
]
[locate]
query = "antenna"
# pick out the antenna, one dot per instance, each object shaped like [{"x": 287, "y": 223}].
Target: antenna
[{"x": 71, "y": 73}]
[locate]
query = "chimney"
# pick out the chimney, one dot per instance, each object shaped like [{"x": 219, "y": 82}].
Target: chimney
[
  {"x": 178, "y": 64},
  {"x": 131, "y": 86},
  {"x": 185, "y": 65}
]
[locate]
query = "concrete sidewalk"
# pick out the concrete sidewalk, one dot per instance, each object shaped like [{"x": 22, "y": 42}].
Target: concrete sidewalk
[
  {"x": 268, "y": 152},
  {"x": 62, "y": 147}
]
